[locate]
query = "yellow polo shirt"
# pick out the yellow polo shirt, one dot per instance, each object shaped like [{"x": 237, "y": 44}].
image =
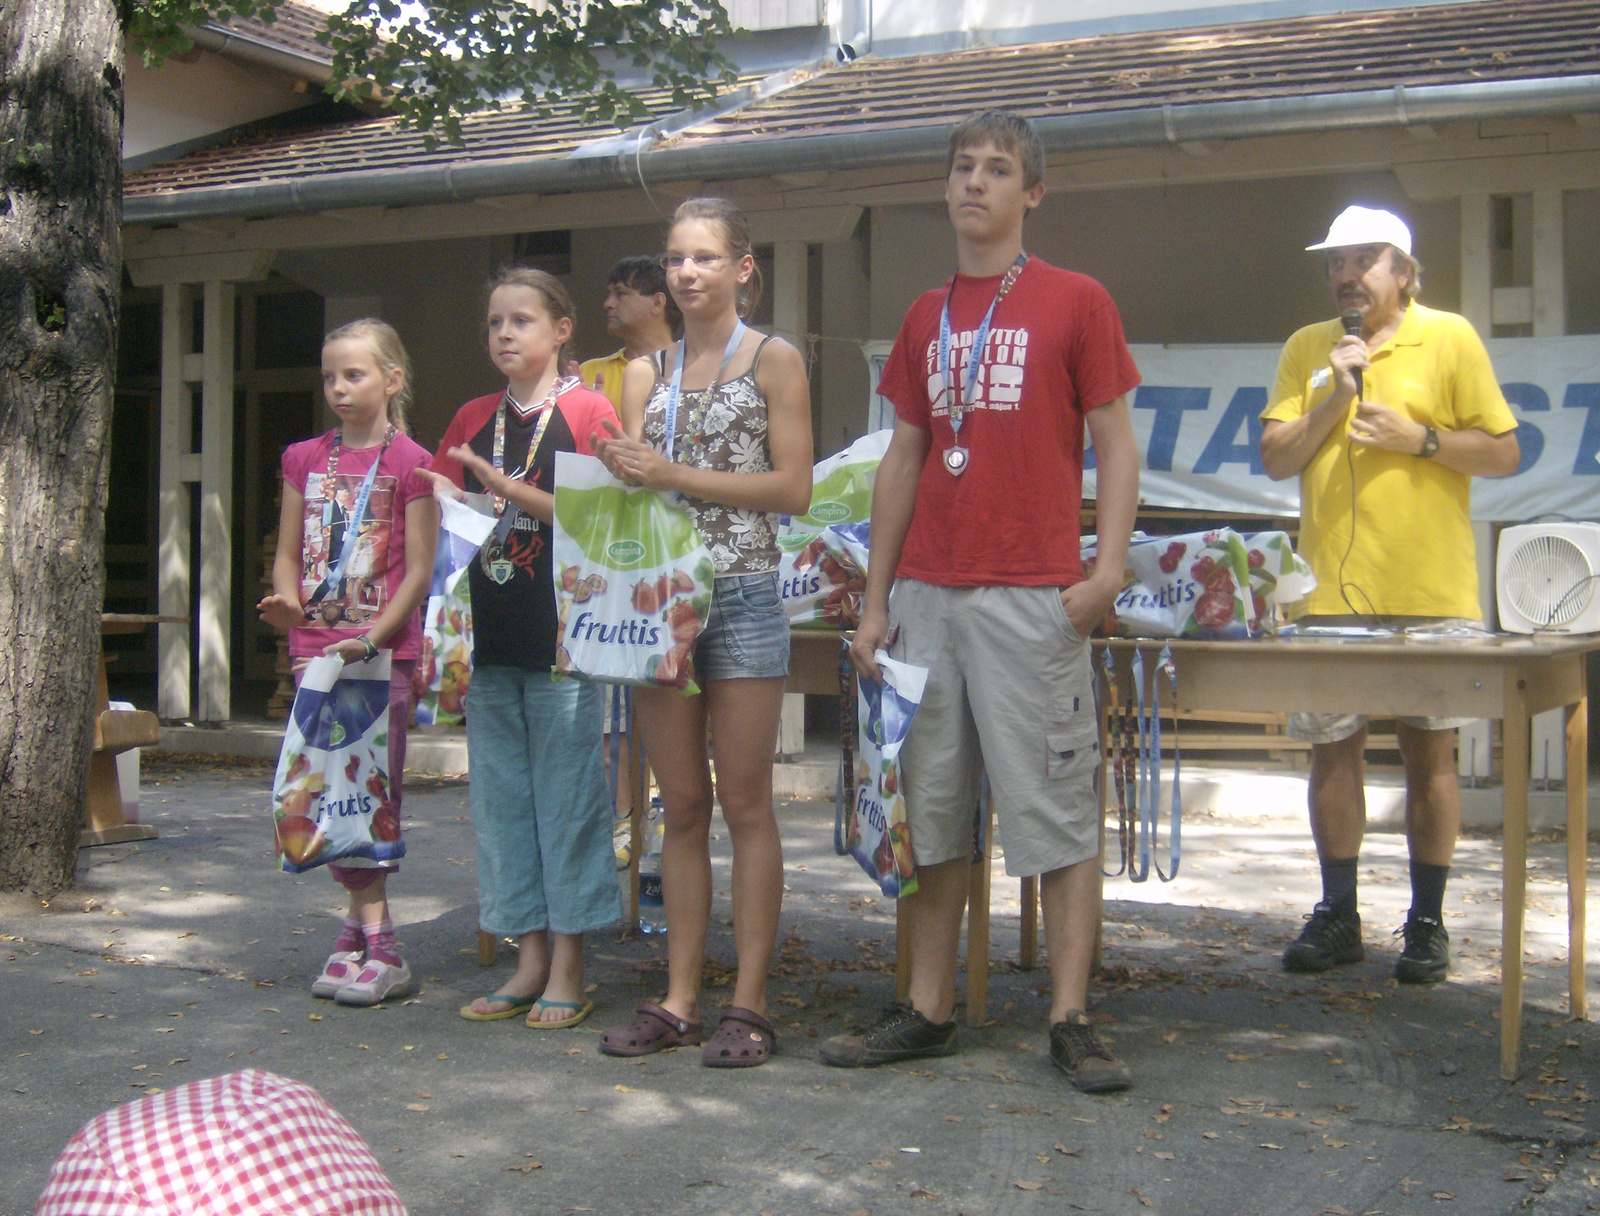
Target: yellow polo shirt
[
  {"x": 1413, "y": 551},
  {"x": 605, "y": 376}
]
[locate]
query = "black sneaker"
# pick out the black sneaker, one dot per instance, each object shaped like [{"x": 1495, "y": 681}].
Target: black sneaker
[
  {"x": 1331, "y": 938},
  {"x": 900, "y": 1034},
  {"x": 1426, "y": 958},
  {"x": 1080, "y": 1053}
]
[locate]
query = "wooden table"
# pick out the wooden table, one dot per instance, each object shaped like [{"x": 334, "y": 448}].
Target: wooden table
[{"x": 1510, "y": 678}]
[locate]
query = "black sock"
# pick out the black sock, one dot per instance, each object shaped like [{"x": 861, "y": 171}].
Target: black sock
[
  {"x": 1339, "y": 883},
  {"x": 1427, "y": 890}
]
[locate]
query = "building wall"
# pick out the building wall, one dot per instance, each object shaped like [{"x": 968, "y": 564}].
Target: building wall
[
  {"x": 1218, "y": 262},
  {"x": 913, "y": 26},
  {"x": 1581, "y": 230},
  {"x": 180, "y": 101}
]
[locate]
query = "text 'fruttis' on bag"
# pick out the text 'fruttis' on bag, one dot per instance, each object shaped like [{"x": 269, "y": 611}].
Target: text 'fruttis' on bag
[
  {"x": 331, "y": 799},
  {"x": 633, "y": 579},
  {"x": 877, "y": 833}
]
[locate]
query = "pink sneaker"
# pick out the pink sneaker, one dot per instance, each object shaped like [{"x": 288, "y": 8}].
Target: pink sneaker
[
  {"x": 378, "y": 981},
  {"x": 341, "y": 968}
]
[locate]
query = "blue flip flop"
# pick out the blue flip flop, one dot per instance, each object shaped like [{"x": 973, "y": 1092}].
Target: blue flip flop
[
  {"x": 579, "y": 1012},
  {"x": 515, "y": 1005}
]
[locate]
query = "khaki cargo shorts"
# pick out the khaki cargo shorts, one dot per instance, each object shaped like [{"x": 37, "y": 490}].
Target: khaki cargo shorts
[{"x": 1010, "y": 692}]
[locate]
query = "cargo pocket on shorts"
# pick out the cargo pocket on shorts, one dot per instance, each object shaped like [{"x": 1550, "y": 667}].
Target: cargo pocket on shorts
[{"x": 1073, "y": 751}]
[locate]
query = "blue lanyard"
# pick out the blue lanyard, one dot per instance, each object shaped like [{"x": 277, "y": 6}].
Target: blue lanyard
[
  {"x": 675, "y": 385},
  {"x": 352, "y": 527},
  {"x": 1150, "y": 770},
  {"x": 957, "y": 406}
]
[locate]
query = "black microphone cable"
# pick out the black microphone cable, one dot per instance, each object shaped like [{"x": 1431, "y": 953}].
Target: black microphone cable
[{"x": 1351, "y": 320}]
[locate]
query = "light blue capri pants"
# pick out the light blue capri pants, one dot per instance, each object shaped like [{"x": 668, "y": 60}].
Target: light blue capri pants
[{"x": 540, "y": 806}]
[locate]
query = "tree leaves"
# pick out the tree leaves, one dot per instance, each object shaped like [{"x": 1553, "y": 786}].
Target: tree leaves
[{"x": 435, "y": 63}]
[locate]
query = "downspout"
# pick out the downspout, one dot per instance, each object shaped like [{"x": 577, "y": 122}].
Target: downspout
[{"x": 724, "y": 159}]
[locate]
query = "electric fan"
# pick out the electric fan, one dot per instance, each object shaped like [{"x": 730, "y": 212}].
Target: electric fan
[{"x": 1547, "y": 578}]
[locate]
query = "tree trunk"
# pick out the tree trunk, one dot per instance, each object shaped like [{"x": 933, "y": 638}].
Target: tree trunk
[{"x": 60, "y": 291}]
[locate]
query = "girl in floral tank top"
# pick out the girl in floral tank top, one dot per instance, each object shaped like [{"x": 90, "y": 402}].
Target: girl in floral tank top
[
  {"x": 723, "y": 418},
  {"x": 724, "y": 427}
]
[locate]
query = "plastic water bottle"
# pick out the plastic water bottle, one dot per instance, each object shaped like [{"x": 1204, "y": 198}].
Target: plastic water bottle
[{"x": 652, "y": 913}]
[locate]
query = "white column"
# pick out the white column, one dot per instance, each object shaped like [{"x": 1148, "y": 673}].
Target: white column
[
  {"x": 791, "y": 291},
  {"x": 172, "y": 569},
  {"x": 216, "y": 504},
  {"x": 1477, "y": 285},
  {"x": 1549, "y": 269},
  {"x": 791, "y": 295},
  {"x": 1477, "y": 296},
  {"x": 1549, "y": 748}
]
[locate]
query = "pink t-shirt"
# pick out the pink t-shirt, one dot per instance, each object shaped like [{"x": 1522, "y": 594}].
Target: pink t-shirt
[{"x": 378, "y": 563}]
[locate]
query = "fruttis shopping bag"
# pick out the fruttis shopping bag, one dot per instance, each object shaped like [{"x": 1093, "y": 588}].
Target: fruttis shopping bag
[
  {"x": 877, "y": 833},
  {"x": 822, "y": 555},
  {"x": 1215, "y": 584},
  {"x": 331, "y": 799},
  {"x": 633, "y": 579},
  {"x": 446, "y": 667}
]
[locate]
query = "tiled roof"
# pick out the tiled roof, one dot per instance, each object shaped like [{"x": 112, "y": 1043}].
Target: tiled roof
[
  {"x": 295, "y": 28},
  {"x": 1345, "y": 52},
  {"x": 366, "y": 144},
  {"x": 1490, "y": 40}
]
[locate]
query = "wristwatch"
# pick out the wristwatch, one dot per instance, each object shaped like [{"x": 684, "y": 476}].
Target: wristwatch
[
  {"x": 1430, "y": 443},
  {"x": 372, "y": 650}
]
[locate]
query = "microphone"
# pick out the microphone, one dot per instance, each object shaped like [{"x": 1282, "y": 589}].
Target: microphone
[{"x": 1350, "y": 318}]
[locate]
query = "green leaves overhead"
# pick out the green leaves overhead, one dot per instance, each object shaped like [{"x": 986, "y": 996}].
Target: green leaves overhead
[{"x": 433, "y": 64}]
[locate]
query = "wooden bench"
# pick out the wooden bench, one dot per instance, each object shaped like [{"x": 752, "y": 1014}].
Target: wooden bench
[{"x": 116, "y": 731}]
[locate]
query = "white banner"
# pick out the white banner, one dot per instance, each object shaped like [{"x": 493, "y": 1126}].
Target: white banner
[{"x": 1196, "y": 419}]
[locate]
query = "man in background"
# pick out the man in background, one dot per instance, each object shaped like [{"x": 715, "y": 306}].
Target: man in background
[{"x": 641, "y": 313}]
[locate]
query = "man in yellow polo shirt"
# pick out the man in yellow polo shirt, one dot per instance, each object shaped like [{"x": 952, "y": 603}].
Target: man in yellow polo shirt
[
  {"x": 1385, "y": 427},
  {"x": 641, "y": 313}
]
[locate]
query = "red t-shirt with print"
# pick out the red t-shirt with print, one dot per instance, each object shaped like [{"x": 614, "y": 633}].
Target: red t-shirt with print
[{"x": 1055, "y": 351}]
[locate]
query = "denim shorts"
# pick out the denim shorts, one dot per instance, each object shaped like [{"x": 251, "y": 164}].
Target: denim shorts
[{"x": 747, "y": 631}]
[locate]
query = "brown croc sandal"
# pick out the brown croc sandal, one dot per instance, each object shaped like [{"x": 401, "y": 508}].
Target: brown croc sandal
[
  {"x": 743, "y": 1039},
  {"x": 655, "y": 1029}
]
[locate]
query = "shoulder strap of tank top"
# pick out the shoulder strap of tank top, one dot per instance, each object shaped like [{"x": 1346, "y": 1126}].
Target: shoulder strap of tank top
[{"x": 755, "y": 359}]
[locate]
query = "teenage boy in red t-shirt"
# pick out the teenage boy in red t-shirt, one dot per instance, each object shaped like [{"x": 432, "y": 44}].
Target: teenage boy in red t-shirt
[{"x": 975, "y": 527}]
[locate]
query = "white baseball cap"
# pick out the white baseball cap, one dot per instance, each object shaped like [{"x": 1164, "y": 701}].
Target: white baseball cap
[{"x": 1366, "y": 226}]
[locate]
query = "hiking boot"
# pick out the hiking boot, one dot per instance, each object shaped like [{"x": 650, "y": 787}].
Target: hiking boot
[
  {"x": 900, "y": 1034},
  {"x": 1331, "y": 938},
  {"x": 1080, "y": 1053},
  {"x": 1426, "y": 957}
]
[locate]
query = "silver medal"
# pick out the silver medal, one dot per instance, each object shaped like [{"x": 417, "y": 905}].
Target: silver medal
[
  {"x": 955, "y": 459},
  {"x": 501, "y": 571}
]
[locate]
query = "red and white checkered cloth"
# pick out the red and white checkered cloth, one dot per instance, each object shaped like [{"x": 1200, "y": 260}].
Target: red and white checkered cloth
[{"x": 247, "y": 1144}]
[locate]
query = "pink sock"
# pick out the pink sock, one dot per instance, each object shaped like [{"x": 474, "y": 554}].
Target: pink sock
[
  {"x": 381, "y": 944},
  {"x": 351, "y": 938}
]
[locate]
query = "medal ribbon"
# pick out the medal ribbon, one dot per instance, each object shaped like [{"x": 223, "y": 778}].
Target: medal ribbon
[
  {"x": 352, "y": 527},
  {"x": 957, "y": 405},
  {"x": 675, "y": 385},
  {"x": 507, "y": 518}
]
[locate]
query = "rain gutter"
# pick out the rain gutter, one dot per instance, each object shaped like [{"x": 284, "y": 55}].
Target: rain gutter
[
  {"x": 233, "y": 45},
  {"x": 662, "y": 160}
]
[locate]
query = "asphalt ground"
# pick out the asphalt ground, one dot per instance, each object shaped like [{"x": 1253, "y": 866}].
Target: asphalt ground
[{"x": 1255, "y": 1091}]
